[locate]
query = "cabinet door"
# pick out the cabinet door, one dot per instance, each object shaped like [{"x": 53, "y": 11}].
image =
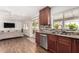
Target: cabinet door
[
  {"x": 76, "y": 46},
  {"x": 44, "y": 16},
  {"x": 47, "y": 16},
  {"x": 63, "y": 45},
  {"x": 45, "y": 20},
  {"x": 52, "y": 43},
  {"x": 41, "y": 17},
  {"x": 37, "y": 38}
]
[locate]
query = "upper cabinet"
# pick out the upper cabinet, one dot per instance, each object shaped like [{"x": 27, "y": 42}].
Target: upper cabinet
[{"x": 45, "y": 16}]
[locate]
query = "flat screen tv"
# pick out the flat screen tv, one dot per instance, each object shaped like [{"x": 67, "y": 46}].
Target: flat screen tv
[{"x": 9, "y": 25}]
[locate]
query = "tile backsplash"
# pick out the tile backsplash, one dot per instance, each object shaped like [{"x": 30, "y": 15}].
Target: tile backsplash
[{"x": 44, "y": 27}]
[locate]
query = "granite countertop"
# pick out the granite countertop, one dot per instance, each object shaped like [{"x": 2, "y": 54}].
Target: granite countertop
[{"x": 70, "y": 36}]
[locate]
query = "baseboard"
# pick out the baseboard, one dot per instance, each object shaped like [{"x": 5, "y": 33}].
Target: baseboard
[{"x": 12, "y": 38}]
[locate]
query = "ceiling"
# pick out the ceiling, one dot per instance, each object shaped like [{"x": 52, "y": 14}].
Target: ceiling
[{"x": 27, "y": 11}]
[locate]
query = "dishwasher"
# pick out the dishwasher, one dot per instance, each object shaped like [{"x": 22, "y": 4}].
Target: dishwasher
[{"x": 43, "y": 41}]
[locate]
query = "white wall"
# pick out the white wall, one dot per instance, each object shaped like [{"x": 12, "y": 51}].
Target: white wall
[
  {"x": 18, "y": 25},
  {"x": 6, "y": 16},
  {"x": 9, "y": 14},
  {"x": 18, "y": 20}
]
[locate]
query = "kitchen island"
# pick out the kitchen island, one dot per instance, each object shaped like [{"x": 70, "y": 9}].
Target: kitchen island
[{"x": 60, "y": 43}]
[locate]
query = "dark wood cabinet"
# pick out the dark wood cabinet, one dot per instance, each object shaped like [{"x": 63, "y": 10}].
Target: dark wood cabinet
[
  {"x": 52, "y": 40},
  {"x": 37, "y": 38},
  {"x": 63, "y": 45},
  {"x": 75, "y": 46},
  {"x": 45, "y": 16},
  {"x": 60, "y": 44}
]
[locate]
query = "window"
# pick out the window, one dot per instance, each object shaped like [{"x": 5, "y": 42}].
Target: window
[
  {"x": 35, "y": 25},
  {"x": 57, "y": 24},
  {"x": 58, "y": 21},
  {"x": 76, "y": 21},
  {"x": 62, "y": 20}
]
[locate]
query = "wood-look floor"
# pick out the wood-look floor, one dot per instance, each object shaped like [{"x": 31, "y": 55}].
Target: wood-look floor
[{"x": 19, "y": 45}]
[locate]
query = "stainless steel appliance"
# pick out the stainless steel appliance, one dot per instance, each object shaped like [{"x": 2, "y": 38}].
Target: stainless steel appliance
[{"x": 43, "y": 41}]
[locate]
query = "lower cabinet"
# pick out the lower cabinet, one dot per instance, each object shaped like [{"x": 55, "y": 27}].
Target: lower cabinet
[
  {"x": 63, "y": 45},
  {"x": 37, "y": 38},
  {"x": 59, "y": 44},
  {"x": 52, "y": 40},
  {"x": 75, "y": 46}
]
